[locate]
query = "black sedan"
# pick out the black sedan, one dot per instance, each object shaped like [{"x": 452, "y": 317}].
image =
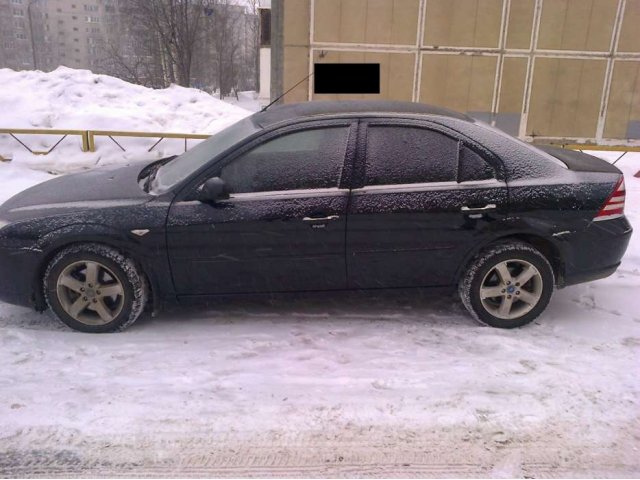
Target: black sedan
[{"x": 315, "y": 197}]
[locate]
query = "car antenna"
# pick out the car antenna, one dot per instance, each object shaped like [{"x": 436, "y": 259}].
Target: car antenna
[{"x": 265, "y": 108}]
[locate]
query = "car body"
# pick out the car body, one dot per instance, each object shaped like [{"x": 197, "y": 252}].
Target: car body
[{"x": 323, "y": 196}]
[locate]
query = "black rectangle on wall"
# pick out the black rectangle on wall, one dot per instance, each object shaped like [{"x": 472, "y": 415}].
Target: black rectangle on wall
[{"x": 346, "y": 78}]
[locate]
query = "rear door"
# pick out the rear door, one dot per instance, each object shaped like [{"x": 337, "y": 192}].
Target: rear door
[
  {"x": 283, "y": 226},
  {"x": 423, "y": 198}
]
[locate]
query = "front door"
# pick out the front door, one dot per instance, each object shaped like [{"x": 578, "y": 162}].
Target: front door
[
  {"x": 282, "y": 227},
  {"x": 425, "y": 198}
]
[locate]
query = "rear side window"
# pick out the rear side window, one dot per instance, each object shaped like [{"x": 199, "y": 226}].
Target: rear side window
[
  {"x": 308, "y": 159},
  {"x": 472, "y": 166},
  {"x": 400, "y": 155}
]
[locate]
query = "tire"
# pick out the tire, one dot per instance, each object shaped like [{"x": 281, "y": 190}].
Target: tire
[
  {"x": 490, "y": 291},
  {"x": 95, "y": 289}
]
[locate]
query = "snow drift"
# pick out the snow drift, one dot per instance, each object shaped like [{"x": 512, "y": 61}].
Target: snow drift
[{"x": 79, "y": 99}]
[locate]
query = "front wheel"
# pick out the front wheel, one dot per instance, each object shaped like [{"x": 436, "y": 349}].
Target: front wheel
[
  {"x": 94, "y": 288},
  {"x": 507, "y": 285}
]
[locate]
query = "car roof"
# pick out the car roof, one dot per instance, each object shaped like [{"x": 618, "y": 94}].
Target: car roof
[{"x": 296, "y": 111}]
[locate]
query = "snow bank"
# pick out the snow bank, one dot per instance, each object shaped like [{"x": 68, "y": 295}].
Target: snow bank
[{"x": 79, "y": 99}]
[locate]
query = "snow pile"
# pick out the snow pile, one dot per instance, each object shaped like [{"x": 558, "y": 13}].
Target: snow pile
[{"x": 79, "y": 99}]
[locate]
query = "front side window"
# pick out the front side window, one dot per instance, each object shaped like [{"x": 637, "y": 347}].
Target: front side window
[
  {"x": 185, "y": 165},
  {"x": 403, "y": 155},
  {"x": 308, "y": 159}
]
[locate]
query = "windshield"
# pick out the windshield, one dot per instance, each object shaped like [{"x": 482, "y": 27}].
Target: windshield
[{"x": 181, "y": 167}]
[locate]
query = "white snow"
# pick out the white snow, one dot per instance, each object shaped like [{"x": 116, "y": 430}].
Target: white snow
[
  {"x": 386, "y": 385},
  {"x": 81, "y": 100},
  {"x": 247, "y": 100}
]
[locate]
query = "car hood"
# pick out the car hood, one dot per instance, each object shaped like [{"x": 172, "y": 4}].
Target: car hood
[{"x": 99, "y": 188}]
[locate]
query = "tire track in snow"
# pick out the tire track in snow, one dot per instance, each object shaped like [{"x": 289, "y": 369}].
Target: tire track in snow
[{"x": 52, "y": 453}]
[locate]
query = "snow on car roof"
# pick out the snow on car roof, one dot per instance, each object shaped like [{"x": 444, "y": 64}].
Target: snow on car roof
[{"x": 280, "y": 113}]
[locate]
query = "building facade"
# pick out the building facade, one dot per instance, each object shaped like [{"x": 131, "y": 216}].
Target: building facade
[{"x": 545, "y": 70}]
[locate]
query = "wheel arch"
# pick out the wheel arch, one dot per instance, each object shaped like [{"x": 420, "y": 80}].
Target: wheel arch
[
  {"x": 109, "y": 239},
  {"x": 544, "y": 245}
]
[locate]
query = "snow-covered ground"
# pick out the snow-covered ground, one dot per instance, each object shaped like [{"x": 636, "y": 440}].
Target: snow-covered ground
[{"x": 391, "y": 385}]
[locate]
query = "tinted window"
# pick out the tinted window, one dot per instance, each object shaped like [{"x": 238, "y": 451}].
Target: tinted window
[
  {"x": 472, "y": 166},
  {"x": 295, "y": 161},
  {"x": 397, "y": 155}
]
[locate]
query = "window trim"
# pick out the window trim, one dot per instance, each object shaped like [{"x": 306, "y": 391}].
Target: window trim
[
  {"x": 427, "y": 186},
  {"x": 277, "y": 194}
]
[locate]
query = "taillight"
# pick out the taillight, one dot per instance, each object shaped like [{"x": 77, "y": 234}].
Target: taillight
[{"x": 614, "y": 206}]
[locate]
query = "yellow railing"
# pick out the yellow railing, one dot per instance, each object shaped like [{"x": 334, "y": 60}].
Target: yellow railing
[
  {"x": 12, "y": 132},
  {"x": 92, "y": 134},
  {"x": 88, "y": 137},
  {"x": 589, "y": 146}
]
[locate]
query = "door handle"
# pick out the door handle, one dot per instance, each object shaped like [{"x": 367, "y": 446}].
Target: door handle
[
  {"x": 486, "y": 208},
  {"x": 321, "y": 219}
]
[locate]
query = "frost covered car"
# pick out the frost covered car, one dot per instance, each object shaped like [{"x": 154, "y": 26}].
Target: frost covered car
[{"x": 319, "y": 197}]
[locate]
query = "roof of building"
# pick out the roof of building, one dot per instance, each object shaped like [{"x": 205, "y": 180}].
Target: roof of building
[{"x": 278, "y": 113}]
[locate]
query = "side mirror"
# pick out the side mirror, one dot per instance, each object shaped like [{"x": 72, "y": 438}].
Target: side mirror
[{"x": 212, "y": 190}]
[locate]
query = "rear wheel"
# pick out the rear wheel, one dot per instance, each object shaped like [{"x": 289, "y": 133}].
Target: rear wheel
[
  {"x": 94, "y": 288},
  {"x": 507, "y": 285}
]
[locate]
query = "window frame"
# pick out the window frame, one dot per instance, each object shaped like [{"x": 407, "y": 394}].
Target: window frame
[
  {"x": 190, "y": 191},
  {"x": 463, "y": 141}
]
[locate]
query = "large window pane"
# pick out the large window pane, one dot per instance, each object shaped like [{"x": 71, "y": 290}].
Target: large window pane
[
  {"x": 302, "y": 160},
  {"x": 399, "y": 155}
]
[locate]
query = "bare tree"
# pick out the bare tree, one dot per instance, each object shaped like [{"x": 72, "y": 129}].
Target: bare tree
[
  {"x": 140, "y": 67},
  {"x": 212, "y": 44},
  {"x": 177, "y": 24},
  {"x": 131, "y": 50},
  {"x": 223, "y": 29},
  {"x": 163, "y": 34},
  {"x": 253, "y": 55}
]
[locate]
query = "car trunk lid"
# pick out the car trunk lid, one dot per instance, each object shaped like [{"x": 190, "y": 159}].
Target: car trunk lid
[{"x": 578, "y": 161}]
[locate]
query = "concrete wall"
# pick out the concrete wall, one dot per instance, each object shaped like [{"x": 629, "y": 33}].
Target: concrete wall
[{"x": 541, "y": 69}]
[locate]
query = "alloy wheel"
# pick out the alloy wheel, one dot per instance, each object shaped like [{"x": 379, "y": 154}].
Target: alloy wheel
[
  {"x": 511, "y": 289},
  {"x": 90, "y": 293}
]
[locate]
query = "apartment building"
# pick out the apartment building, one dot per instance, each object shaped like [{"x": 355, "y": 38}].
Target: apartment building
[{"x": 43, "y": 34}]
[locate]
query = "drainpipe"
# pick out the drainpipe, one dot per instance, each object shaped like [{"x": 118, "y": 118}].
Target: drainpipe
[
  {"x": 33, "y": 43},
  {"x": 277, "y": 48}
]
